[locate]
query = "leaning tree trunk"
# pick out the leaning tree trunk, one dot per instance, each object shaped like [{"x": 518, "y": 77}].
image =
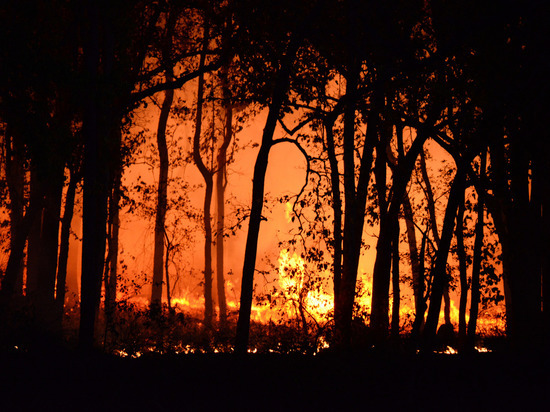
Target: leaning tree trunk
[
  {"x": 440, "y": 270},
  {"x": 416, "y": 267},
  {"x": 158, "y": 264},
  {"x": 280, "y": 90},
  {"x": 435, "y": 232},
  {"x": 60, "y": 287},
  {"x": 382, "y": 266}
]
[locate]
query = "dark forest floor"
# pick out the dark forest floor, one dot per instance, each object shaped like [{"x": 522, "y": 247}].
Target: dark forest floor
[{"x": 61, "y": 380}]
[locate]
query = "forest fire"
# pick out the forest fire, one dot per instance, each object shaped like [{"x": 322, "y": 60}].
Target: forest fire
[{"x": 236, "y": 176}]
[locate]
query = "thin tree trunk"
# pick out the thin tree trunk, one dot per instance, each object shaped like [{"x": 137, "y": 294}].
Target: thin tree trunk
[
  {"x": 64, "y": 243},
  {"x": 355, "y": 202},
  {"x": 440, "y": 270},
  {"x": 417, "y": 274},
  {"x": 476, "y": 264},
  {"x": 111, "y": 267},
  {"x": 416, "y": 267},
  {"x": 220, "y": 197},
  {"x": 158, "y": 264},
  {"x": 461, "y": 253},
  {"x": 336, "y": 207},
  {"x": 168, "y": 291},
  {"x": 435, "y": 231},
  {"x": 418, "y": 325},
  {"x": 395, "y": 281},
  {"x": 207, "y": 176},
  {"x": 382, "y": 266}
]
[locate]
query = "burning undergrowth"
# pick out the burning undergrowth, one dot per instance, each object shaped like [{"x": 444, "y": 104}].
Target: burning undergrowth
[
  {"x": 132, "y": 330},
  {"x": 293, "y": 312}
]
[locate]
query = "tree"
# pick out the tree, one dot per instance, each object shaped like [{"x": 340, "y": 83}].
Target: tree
[
  {"x": 501, "y": 47},
  {"x": 208, "y": 179},
  {"x": 220, "y": 198},
  {"x": 112, "y": 71},
  {"x": 37, "y": 106},
  {"x": 283, "y": 55},
  {"x": 158, "y": 265}
]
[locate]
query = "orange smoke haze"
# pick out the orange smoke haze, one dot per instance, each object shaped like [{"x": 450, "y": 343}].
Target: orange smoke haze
[{"x": 285, "y": 176}]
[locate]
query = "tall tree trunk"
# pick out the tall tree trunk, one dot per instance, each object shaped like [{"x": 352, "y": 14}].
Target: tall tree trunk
[
  {"x": 336, "y": 206},
  {"x": 543, "y": 169},
  {"x": 395, "y": 281},
  {"x": 64, "y": 242},
  {"x": 15, "y": 180},
  {"x": 462, "y": 268},
  {"x": 440, "y": 270},
  {"x": 36, "y": 196},
  {"x": 247, "y": 284},
  {"x": 382, "y": 265},
  {"x": 158, "y": 264},
  {"x": 518, "y": 225},
  {"x": 435, "y": 231},
  {"x": 207, "y": 176},
  {"x": 220, "y": 198},
  {"x": 42, "y": 276},
  {"x": 417, "y": 273},
  {"x": 355, "y": 202},
  {"x": 95, "y": 183},
  {"x": 476, "y": 264},
  {"x": 111, "y": 264},
  {"x": 416, "y": 267}
]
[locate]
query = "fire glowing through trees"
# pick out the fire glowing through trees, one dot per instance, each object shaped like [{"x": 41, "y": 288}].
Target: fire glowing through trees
[
  {"x": 232, "y": 175},
  {"x": 298, "y": 294},
  {"x": 298, "y": 299}
]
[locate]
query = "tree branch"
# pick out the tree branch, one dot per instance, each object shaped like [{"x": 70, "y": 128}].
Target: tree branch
[{"x": 177, "y": 83}]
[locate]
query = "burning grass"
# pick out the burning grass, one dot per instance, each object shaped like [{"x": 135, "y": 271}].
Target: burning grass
[{"x": 132, "y": 331}]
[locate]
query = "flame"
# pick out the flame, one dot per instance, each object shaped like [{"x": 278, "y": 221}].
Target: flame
[
  {"x": 292, "y": 279},
  {"x": 295, "y": 292},
  {"x": 487, "y": 323}
]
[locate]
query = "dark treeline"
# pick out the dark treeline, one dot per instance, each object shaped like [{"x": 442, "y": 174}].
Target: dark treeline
[{"x": 366, "y": 85}]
